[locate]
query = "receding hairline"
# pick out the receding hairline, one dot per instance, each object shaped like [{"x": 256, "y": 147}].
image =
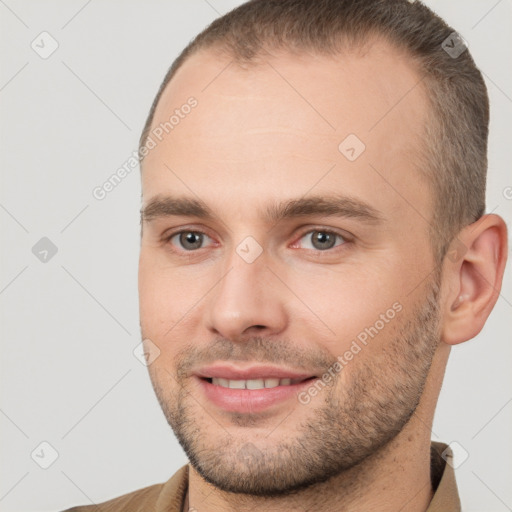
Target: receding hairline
[{"x": 348, "y": 46}]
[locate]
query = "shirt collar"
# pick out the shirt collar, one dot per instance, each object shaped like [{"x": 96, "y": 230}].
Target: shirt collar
[{"x": 446, "y": 495}]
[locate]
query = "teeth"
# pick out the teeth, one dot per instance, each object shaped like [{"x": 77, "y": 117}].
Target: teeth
[
  {"x": 252, "y": 383},
  {"x": 271, "y": 383}
]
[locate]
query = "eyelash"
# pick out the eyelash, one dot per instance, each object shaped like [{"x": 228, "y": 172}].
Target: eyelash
[{"x": 190, "y": 253}]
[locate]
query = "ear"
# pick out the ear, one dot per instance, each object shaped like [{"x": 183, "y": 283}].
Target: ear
[{"x": 473, "y": 272}]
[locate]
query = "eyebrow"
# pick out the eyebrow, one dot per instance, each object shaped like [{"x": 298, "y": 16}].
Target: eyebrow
[{"x": 325, "y": 205}]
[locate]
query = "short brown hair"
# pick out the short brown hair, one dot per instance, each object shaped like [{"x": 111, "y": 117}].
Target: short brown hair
[{"x": 454, "y": 155}]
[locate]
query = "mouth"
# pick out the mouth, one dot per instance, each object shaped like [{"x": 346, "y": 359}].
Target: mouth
[
  {"x": 253, "y": 389},
  {"x": 266, "y": 383}
]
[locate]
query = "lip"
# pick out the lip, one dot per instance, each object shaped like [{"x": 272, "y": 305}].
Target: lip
[
  {"x": 229, "y": 372},
  {"x": 250, "y": 400}
]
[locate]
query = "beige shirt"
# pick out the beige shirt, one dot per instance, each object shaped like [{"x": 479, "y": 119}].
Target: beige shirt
[{"x": 170, "y": 496}]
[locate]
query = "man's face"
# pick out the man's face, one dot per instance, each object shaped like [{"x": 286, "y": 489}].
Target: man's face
[{"x": 245, "y": 295}]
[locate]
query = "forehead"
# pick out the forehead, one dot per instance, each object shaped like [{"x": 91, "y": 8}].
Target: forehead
[{"x": 289, "y": 124}]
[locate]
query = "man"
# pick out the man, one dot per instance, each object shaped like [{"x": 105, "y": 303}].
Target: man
[{"x": 313, "y": 243}]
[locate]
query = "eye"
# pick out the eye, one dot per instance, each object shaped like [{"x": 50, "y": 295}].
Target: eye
[
  {"x": 317, "y": 240},
  {"x": 321, "y": 240},
  {"x": 188, "y": 240}
]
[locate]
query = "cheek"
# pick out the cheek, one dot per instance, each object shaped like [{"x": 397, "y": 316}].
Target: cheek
[
  {"x": 166, "y": 293},
  {"x": 148, "y": 294},
  {"x": 157, "y": 293},
  {"x": 345, "y": 301},
  {"x": 161, "y": 306}
]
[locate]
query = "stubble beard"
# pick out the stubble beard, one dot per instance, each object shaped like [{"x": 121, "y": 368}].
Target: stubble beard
[{"x": 346, "y": 424}]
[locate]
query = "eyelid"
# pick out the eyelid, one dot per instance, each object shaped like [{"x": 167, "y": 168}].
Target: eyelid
[
  {"x": 327, "y": 229},
  {"x": 169, "y": 233}
]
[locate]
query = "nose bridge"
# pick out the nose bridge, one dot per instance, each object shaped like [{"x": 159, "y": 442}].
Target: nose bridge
[{"x": 245, "y": 296}]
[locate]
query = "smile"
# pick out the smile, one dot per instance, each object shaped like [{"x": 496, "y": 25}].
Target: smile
[{"x": 253, "y": 383}]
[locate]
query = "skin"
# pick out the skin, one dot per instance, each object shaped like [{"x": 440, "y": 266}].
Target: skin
[{"x": 266, "y": 134}]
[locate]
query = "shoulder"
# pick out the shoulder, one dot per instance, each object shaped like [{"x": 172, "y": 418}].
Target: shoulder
[
  {"x": 166, "y": 496},
  {"x": 136, "y": 501}
]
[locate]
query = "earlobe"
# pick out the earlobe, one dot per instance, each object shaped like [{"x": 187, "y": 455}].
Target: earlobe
[{"x": 475, "y": 278}]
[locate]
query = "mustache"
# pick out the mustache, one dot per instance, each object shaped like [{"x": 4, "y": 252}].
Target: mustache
[{"x": 256, "y": 349}]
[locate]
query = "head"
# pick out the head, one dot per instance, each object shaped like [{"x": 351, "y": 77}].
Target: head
[{"x": 299, "y": 214}]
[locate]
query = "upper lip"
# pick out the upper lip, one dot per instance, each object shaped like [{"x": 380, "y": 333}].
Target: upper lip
[{"x": 230, "y": 372}]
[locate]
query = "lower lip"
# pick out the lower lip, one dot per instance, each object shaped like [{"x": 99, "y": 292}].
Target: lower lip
[{"x": 250, "y": 400}]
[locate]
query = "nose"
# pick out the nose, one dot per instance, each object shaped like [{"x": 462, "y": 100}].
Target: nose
[{"x": 248, "y": 300}]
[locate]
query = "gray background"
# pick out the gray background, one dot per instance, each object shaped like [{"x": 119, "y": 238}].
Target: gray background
[{"x": 69, "y": 325}]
